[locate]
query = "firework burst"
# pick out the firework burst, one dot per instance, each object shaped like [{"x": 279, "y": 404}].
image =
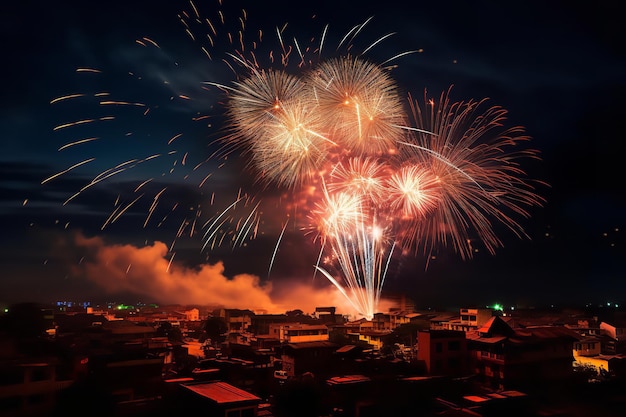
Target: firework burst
[{"x": 371, "y": 170}]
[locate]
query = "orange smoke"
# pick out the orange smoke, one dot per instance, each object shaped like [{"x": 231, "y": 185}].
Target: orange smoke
[{"x": 150, "y": 273}]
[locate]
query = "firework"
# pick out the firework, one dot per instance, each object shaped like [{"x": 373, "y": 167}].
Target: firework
[
  {"x": 359, "y": 102},
  {"x": 372, "y": 172}
]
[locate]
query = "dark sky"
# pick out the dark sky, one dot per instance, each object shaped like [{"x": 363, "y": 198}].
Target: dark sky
[{"x": 557, "y": 67}]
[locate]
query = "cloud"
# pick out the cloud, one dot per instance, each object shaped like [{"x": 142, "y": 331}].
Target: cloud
[{"x": 151, "y": 272}]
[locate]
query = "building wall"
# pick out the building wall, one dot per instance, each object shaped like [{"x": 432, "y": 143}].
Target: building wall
[
  {"x": 506, "y": 366},
  {"x": 29, "y": 389},
  {"x": 590, "y": 347},
  {"x": 443, "y": 351},
  {"x": 297, "y": 333}
]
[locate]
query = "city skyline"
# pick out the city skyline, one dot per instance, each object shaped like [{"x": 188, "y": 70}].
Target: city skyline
[{"x": 558, "y": 72}]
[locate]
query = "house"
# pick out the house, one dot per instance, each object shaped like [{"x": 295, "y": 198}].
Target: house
[
  {"x": 587, "y": 346},
  {"x": 297, "y": 332},
  {"x": 615, "y": 330},
  {"x": 444, "y": 352},
  {"x": 260, "y": 323},
  {"x": 389, "y": 321},
  {"x": 375, "y": 338},
  {"x": 236, "y": 320},
  {"x": 440, "y": 320},
  {"x": 507, "y": 358},
  {"x": 468, "y": 319},
  {"x": 298, "y": 358}
]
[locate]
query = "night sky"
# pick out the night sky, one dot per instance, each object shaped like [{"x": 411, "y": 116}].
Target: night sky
[{"x": 557, "y": 67}]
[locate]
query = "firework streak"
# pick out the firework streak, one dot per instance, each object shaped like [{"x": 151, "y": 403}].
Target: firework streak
[{"x": 380, "y": 175}]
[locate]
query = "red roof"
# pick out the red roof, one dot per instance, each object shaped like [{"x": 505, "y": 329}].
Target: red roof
[
  {"x": 221, "y": 392},
  {"x": 347, "y": 379}
]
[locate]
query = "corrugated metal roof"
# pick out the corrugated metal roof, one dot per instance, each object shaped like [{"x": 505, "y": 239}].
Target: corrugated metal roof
[
  {"x": 347, "y": 379},
  {"x": 346, "y": 348},
  {"x": 222, "y": 392}
]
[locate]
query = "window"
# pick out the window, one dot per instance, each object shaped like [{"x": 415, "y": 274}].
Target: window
[{"x": 438, "y": 347}]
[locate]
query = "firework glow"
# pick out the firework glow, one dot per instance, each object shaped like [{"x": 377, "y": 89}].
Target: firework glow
[{"x": 375, "y": 175}]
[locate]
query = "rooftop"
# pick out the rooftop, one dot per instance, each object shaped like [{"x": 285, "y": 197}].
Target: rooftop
[{"x": 221, "y": 392}]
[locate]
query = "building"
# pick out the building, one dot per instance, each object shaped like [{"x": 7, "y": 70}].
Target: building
[
  {"x": 615, "y": 330},
  {"x": 507, "y": 358},
  {"x": 260, "y": 323},
  {"x": 327, "y": 315},
  {"x": 236, "y": 320},
  {"x": 29, "y": 386},
  {"x": 444, "y": 352},
  {"x": 375, "y": 338},
  {"x": 468, "y": 319},
  {"x": 298, "y": 358},
  {"x": 297, "y": 332},
  {"x": 389, "y": 321}
]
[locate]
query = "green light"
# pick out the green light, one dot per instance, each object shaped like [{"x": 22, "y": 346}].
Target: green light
[{"x": 497, "y": 307}]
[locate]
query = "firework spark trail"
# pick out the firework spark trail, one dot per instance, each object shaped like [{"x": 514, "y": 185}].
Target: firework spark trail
[
  {"x": 446, "y": 177},
  {"x": 372, "y": 171}
]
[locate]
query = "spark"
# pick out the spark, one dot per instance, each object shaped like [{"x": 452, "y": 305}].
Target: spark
[
  {"x": 66, "y": 97},
  {"x": 376, "y": 175},
  {"x": 86, "y": 161},
  {"x": 77, "y": 142}
]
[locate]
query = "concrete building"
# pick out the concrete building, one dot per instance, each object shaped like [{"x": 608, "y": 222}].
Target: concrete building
[
  {"x": 444, "y": 352},
  {"x": 236, "y": 320},
  {"x": 615, "y": 330},
  {"x": 507, "y": 358},
  {"x": 467, "y": 320},
  {"x": 29, "y": 387},
  {"x": 298, "y": 358},
  {"x": 297, "y": 332}
]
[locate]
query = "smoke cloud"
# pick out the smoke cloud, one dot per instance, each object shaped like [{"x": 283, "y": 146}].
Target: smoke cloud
[{"x": 151, "y": 273}]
